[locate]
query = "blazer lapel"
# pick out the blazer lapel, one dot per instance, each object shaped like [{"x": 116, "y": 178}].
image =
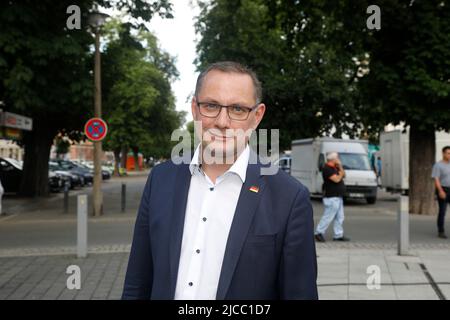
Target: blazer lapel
[
  {"x": 178, "y": 214},
  {"x": 243, "y": 216}
]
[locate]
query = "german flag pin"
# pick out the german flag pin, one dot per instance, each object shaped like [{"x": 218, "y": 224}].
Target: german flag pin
[{"x": 254, "y": 189}]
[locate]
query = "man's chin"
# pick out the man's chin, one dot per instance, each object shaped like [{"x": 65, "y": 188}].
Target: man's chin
[{"x": 220, "y": 152}]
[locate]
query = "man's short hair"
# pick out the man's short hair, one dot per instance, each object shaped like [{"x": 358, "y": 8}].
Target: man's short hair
[
  {"x": 332, "y": 155},
  {"x": 231, "y": 66},
  {"x": 445, "y": 148}
]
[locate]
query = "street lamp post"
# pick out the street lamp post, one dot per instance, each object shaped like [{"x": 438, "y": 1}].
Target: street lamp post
[{"x": 96, "y": 21}]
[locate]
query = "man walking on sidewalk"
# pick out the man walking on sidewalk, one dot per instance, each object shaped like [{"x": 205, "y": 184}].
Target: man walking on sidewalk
[
  {"x": 441, "y": 176},
  {"x": 333, "y": 174}
]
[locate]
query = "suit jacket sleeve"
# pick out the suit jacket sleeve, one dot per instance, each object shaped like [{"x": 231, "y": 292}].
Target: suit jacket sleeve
[
  {"x": 139, "y": 276},
  {"x": 298, "y": 269}
]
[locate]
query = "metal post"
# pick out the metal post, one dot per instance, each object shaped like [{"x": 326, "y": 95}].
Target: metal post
[
  {"x": 124, "y": 194},
  {"x": 403, "y": 225},
  {"x": 66, "y": 197},
  {"x": 97, "y": 187},
  {"x": 82, "y": 226}
]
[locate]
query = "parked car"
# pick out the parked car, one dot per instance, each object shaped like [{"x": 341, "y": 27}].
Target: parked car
[
  {"x": 106, "y": 174},
  {"x": 56, "y": 181},
  {"x": 11, "y": 172},
  {"x": 109, "y": 169},
  {"x": 73, "y": 179},
  {"x": 87, "y": 174},
  {"x": 88, "y": 164},
  {"x": 108, "y": 165},
  {"x": 284, "y": 163}
]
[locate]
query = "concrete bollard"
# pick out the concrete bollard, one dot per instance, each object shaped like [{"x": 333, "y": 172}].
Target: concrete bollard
[
  {"x": 82, "y": 226},
  {"x": 123, "y": 198},
  {"x": 66, "y": 198},
  {"x": 403, "y": 225}
]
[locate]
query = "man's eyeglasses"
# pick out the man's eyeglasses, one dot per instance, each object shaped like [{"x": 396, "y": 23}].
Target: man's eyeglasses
[{"x": 235, "y": 111}]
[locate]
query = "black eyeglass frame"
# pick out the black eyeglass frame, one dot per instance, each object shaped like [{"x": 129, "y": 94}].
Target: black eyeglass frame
[{"x": 252, "y": 108}]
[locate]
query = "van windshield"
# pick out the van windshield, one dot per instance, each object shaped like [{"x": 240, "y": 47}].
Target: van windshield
[{"x": 355, "y": 161}]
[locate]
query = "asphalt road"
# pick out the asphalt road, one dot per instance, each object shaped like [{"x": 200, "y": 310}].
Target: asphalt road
[
  {"x": 377, "y": 223},
  {"x": 42, "y": 223}
]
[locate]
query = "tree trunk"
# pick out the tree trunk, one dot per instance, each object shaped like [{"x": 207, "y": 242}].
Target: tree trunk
[
  {"x": 37, "y": 145},
  {"x": 116, "y": 161},
  {"x": 422, "y": 146},
  {"x": 124, "y": 156}
]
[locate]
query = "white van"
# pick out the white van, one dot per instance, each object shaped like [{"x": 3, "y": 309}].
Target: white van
[
  {"x": 394, "y": 153},
  {"x": 308, "y": 158}
]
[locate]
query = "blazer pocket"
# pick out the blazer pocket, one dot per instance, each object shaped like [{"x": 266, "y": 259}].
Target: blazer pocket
[{"x": 266, "y": 239}]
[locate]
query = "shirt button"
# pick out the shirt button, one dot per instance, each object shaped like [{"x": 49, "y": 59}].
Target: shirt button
[
  {"x": 190, "y": 284},
  {"x": 204, "y": 219},
  {"x": 198, "y": 250}
]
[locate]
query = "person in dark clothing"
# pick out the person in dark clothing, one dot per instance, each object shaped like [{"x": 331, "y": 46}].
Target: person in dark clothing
[
  {"x": 334, "y": 190},
  {"x": 441, "y": 176}
]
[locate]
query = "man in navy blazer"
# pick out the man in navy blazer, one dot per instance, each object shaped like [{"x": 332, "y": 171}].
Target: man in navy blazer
[{"x": 219, "y": 230}]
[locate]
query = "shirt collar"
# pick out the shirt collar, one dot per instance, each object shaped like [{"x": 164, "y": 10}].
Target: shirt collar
[{"x": 239, "y": 167}]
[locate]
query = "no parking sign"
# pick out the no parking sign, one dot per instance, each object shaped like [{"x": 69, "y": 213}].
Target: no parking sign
[{"x": 95, "y": 129}]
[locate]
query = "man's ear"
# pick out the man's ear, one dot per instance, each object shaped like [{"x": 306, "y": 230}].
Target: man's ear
[
  {"x": 259, "y": 114},
  {"x": 194, "y": 109}
]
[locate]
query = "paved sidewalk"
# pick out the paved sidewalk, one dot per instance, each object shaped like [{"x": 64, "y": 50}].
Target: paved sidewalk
[
  {"x": 41, "y": 274},
  {"x": 44, "y": 277},
  {"x": 344, "y": 274},
  {"x": 37, "y": 244}
]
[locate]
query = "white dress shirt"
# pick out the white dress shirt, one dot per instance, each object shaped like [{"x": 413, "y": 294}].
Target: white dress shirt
[{"x": 209, "y": 213}]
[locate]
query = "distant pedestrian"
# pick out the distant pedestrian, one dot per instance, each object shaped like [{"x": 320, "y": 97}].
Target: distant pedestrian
[
  {"x": 379, "y": 170},
  {"x": 441, "y": 176},
  {"x": 333, "y": 174}
]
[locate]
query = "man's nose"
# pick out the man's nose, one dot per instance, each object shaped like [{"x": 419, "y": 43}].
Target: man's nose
[{"x": 222, "y": 120}]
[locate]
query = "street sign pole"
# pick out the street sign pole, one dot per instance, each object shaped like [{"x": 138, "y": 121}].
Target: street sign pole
[
  {"x": 95, "y": 130},
  {"x": 97, "y": 188}
]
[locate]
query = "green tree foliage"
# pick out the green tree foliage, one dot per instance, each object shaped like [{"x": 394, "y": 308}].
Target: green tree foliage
[
  {"x": 323, "y": 70},
  {"x": 62, "y": 145},
  {"x": 46, "y": 72},
  {"x": 139, "y": 104},
  {"x": 300, "y": 55},
  {"x": 409, "y": 78},
  {"x": 409, "y": 82}
]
